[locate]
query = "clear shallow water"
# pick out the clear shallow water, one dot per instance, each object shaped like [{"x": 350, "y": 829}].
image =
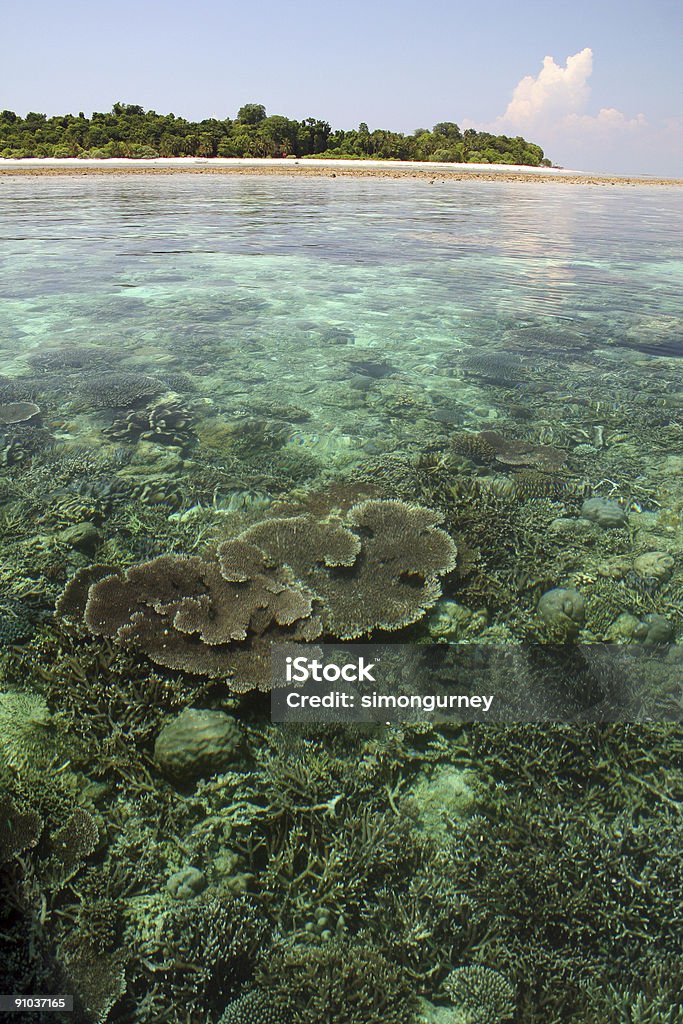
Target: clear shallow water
[
  {"x": 205, "y": 353},
  {"x": 332, "y": 330}
]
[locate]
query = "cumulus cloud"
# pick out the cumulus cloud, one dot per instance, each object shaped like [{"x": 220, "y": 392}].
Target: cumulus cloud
[
  {"x": 553, "y": 108},
  {"x": 555, "y": 91},
  {"x": 558, "y": 98}
]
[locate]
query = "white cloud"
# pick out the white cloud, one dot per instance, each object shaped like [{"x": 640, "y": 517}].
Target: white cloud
[
  {"x": 553, "y": 109},
  {"x": 555, "y": 91},
  {"x": 607, "y": 118},
  {"x": 556, "y": 100}
]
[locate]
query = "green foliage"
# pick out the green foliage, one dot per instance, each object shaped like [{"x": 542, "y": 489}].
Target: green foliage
[
  {"x": 251, "y": 113},
  {"x": 129, "y": 130}
]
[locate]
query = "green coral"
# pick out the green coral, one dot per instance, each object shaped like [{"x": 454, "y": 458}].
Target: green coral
[
  {"x": 345, "y": 981},
  {"x": 482, "y": 995},
  {"x": 254, "y": 1007}
]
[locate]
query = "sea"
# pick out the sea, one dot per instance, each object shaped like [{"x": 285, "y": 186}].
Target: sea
[{"x": 431, "y": 424}]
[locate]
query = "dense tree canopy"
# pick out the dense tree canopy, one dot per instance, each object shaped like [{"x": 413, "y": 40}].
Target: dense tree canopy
[{"x": 131, "y": 131}]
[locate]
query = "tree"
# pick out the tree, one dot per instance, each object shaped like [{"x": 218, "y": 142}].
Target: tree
[
  {"x": 130, "y": 130},
  {"x": 449, "y": 130},
  {"x": 127, "y": 108},
  {"x": 251, "y": 113}
]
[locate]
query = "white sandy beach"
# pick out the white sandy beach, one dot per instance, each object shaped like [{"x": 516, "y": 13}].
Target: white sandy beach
[{"x": 327, "y": 168}]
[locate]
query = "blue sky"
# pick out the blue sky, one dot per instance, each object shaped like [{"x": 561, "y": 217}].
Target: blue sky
[{"x": 616, "y": 106}]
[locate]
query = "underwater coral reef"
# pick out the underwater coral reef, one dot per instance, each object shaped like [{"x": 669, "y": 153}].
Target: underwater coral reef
[{"x": 200, "y": 456}]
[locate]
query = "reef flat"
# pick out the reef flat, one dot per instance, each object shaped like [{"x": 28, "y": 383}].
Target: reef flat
[{"x": 433, "y": 173}]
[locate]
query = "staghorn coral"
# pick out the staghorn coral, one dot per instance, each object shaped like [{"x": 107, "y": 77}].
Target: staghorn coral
[
  {"x": 197, "y": 950},
  {"x": 27, "y": 730},
  {"x": 343, "y": 980},
  {"x": 19, "y": 442},
  {"x": 474, "y": 446},
  {"x": 15, "y": 389},
  {"x": 15, "y": 622},
  {"x": 67, "y": 356},
  {"x": 530, "y": 484}
]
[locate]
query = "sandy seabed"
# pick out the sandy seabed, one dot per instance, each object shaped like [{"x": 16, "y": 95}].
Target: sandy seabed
[{"x": 430, "y": 172}]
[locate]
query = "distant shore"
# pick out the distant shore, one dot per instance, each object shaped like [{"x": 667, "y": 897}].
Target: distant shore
[{"x": 433, "y": 172}]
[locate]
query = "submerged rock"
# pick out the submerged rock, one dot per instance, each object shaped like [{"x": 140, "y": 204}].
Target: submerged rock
[
  {"x": 196, "y": 743},
  {"x": 186, "y": 883},
  {"x": 607, "y": 514},
  {"x": 652, "y": 630},
  {"x": 656, "y": 565},
  {"x": 563, "y": 610},
  {"x": 655, "y": 629},
  {"x": 83, "y": 537}
]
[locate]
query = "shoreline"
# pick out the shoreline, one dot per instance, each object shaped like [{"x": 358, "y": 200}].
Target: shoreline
[{"x": 73, "y": 167}]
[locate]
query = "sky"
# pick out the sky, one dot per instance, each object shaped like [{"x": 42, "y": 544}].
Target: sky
[{"x": 597, "y": 83}]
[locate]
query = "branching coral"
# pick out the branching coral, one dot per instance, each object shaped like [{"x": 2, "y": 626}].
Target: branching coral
[
  {"x": 18, "y": 829},
  {"x": 341, "y": 980},
  {"x": 255, "y": 1007},
  {"x": 485, "y": 995}
]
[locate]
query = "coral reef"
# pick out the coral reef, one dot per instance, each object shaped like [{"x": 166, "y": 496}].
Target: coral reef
[
  {"x": 287, "y": 579},
  {"x": 165, "y": 422},
  {"x": 196, "y": 742},
  {"x": 18, "y": 412},
  {"x": 483, "y": 995},
  {"x": 254, "y": 1007},
  {"x": 380, "y": 455},
  {"x": 117, "y": 389}
]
